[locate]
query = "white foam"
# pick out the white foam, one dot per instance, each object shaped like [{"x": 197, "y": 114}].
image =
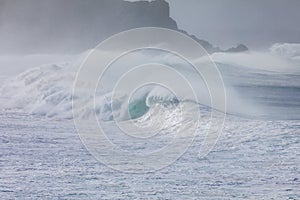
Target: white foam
[{"x": 47, "y": 90}]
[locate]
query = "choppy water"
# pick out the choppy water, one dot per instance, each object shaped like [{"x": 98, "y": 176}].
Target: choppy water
[
  {"x": 256, "y": 157},
  {"x": 45, "y": 159}
]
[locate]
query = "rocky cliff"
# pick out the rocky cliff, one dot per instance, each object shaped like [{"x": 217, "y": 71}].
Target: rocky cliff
[{"x": 72, "y": 26}]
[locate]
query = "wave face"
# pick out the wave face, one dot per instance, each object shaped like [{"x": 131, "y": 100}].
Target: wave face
[
  {"x": 258, "y": 85},
  {"x": 47, "y": 91}
]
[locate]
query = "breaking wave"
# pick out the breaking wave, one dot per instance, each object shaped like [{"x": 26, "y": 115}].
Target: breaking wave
[{"x": 258, "y": 84}]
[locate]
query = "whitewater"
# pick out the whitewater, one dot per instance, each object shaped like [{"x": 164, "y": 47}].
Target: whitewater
[{"x": 256, "y": 156}]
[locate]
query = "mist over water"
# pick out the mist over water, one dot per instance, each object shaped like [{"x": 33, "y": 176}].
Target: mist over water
[
  {"x": 263, "y": 85},
  {"x": 267, "y": 80}
]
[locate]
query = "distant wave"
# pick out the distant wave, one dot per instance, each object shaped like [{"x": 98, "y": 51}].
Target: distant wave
[
  {"x": 287, "y": 50},
  {"x": 269, "y": 80}
]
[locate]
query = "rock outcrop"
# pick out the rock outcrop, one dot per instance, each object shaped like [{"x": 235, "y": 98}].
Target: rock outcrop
[
  {"x": 239, "y": 48},
  {"x": 72, "y": 26}
]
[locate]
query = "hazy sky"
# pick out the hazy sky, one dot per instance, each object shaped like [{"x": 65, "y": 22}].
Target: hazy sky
[
  {"x": 224, "y": 23},
  {"x": 257, "y": 23}
]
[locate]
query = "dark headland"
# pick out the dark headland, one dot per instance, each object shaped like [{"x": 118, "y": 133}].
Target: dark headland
[{"x": 72, "y": 26}]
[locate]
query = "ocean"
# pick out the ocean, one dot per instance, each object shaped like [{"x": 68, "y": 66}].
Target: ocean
[{"x": 46, "y": 155}]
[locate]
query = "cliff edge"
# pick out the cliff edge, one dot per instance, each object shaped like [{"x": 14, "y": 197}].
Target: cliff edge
[{"x": 72, "y": 26}]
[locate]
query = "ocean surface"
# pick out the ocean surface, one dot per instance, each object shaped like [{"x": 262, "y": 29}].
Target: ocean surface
[
  {"x": 45, "y": 159},
  {"x": 42, "y": 155}
]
